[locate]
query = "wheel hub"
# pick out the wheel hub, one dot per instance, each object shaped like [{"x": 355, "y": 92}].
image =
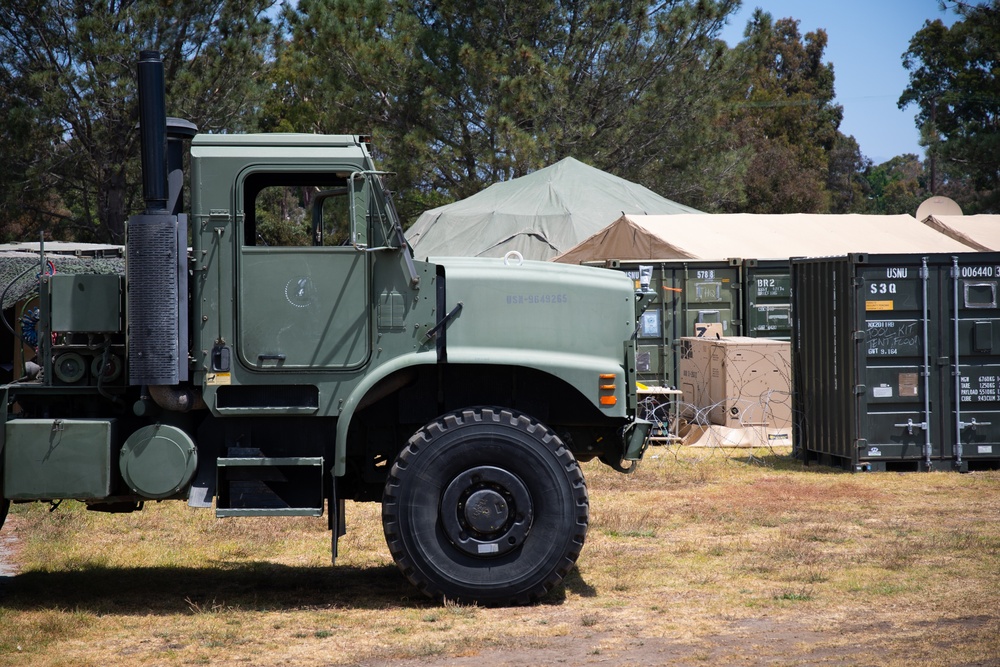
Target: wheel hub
[{"x": 486, "y": 511}]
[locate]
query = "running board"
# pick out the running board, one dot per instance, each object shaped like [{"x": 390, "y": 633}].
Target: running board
[{"x": 266, "y": 486}]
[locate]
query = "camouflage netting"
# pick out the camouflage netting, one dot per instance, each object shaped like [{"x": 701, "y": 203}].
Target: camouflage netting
[{"x": 15, "y": 262}]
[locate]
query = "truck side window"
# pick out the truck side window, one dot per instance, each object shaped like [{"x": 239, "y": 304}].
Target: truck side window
[{"x": 295, "y": 210}]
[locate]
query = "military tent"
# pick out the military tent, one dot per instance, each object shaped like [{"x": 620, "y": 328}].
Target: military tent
[
  {"x": 539, "y": 215},
  {"x": 757, "y": 236},
  {"x": 982, "y": 232}
]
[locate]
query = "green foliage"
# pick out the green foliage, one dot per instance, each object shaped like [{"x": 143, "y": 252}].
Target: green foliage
[
  {"x": 785, "y": 115},
  {"x": 955, "y": 84},
  {"x": 68, "y": 68},
  {"x": 461, "y": 94},
  {"x": 281, "y": 218},
  {"x": 897, "y": 186},
  {"x": 845, "y": 180}
]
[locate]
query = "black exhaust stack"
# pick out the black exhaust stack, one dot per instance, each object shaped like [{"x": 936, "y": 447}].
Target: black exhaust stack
[
  {"x": 156, "y": 248},
  {"x": 153, "y": 131}
]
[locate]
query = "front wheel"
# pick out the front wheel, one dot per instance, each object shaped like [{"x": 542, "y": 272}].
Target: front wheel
[{"x": 487, "y": 506}]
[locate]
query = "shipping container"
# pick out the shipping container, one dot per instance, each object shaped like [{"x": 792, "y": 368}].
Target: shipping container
[
  {"x": 896, "y": 361},
  {"x": 767, "y": 290},
  {"x": 685, "y": 293}
]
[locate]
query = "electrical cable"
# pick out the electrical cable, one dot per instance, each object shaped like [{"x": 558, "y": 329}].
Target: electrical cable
[{"x": 3, "y": 296}]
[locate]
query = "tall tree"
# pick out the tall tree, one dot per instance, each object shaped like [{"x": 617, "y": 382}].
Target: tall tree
[
  {"x": 786, "y": 115},
  {"x": 68, "y": 68},
  {"x": 845, "y": 181},
  {"x": 461, "y": 94},
  {"x": 955, "y": 84}
]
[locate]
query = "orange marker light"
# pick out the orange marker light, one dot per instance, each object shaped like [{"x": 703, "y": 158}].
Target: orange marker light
[{"x": 604, "y": 385}]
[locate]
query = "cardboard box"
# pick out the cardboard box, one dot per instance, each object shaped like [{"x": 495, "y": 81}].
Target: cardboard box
[
  {"x": 736, "y": 381},
  {"x": 693, "y": 435}
]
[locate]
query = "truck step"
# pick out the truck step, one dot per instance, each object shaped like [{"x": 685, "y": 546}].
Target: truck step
[{"x": 270, "y": 486}]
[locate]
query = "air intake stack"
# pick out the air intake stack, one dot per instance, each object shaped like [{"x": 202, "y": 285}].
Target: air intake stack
[{"x": 156, "y": 245}]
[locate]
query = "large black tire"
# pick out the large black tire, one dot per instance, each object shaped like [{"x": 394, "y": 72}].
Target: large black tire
[{"x": 485, "y": 506}]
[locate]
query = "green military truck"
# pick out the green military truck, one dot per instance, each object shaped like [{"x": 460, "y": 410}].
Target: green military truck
[{"x": 269, "y": 374}]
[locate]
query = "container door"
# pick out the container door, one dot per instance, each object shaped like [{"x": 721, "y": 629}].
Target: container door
[
  {"x": 651, "y": 331},
  {"x": 769, "y": 295},
  {"x": 974, "y": 370},
  {"x": 705, "y": 294},
  {"x": 896, "y": 303},
  {"x": 709, "y": 295},
  {"x": 685, "y": 294}
]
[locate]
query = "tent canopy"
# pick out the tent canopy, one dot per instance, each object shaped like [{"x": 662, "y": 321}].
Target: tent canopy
[
  {"x": 982, "y": 232},
  {"x": 539, "y": 215},
  {"x": 747, "y": 235}
]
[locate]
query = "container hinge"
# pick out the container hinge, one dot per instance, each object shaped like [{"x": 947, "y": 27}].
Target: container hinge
[
  {"x": 860, "y": 389},
  {"x": 973, "y": 424},
  {"x": 910, "y": 424},
  {"x": 858, "y": 335},
  {"x": 857, "y": 282}
]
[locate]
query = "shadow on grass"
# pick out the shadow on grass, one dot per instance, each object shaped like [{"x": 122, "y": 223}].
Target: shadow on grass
[
  {"x": 249, "y": 587},
  {"x": 169, "y": 590},
  {"x": 574, "y": 583}
]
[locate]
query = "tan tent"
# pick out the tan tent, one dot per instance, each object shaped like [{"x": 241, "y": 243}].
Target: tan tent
[
  {"x": 539, "y": 215},
  {"x": 747, "y": 235},
  {"x": 982, "y": 232}
]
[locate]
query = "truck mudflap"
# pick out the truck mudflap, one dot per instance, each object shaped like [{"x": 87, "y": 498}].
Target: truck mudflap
[{"x": 635, "y": 438}]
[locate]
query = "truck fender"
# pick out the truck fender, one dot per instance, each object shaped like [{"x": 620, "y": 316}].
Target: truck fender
[{"x": 363, "y": 395}]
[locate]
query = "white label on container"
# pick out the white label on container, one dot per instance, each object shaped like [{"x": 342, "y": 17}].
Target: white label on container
[
  {"x": 883, "y": 391},
  {"x": 985, "y": 449}
]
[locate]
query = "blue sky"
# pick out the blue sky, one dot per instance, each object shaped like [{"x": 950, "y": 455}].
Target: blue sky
[{"x": 867, "y": 39}]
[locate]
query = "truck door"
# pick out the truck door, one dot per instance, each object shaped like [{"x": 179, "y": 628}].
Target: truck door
[{"x": 303, "y": 288}]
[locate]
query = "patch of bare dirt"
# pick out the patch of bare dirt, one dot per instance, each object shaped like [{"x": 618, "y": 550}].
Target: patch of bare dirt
[
  {"x": 748, "y": 642},
  {"x": 8, "y": 550}
]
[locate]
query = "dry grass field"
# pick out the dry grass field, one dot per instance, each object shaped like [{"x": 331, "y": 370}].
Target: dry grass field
[{"x": 710, "y": 557}]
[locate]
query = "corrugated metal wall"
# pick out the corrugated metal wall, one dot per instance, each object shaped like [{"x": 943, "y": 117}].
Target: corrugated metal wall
[{"x": 896, "y": 360}]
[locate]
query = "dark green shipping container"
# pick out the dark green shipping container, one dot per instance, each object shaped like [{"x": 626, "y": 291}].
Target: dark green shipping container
[
  {"x": 896, "y": 361},
  {"x": 686, "y": 292}
]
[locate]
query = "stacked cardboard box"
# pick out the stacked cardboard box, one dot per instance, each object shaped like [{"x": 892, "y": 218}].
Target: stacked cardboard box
[{"x": 736, "y": 382}]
